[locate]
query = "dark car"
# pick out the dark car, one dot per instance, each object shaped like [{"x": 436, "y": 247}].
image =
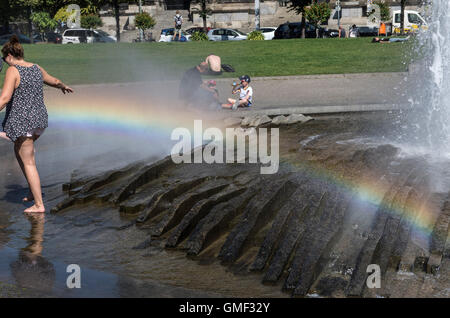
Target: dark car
[
  {"x": 22, "y": 38},
  {"x": 292, "y": 30},
  {"x": 197, "y": 29},
  {"x": 368, "y": 31},
  {"x": 50, "y": 37}
]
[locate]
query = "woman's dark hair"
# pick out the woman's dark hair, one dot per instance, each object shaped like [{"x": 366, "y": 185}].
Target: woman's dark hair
[{"x": 13, "y": 47}]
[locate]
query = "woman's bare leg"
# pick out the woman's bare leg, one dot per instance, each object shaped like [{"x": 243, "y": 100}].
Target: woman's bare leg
[
  {"x": 26, "y": 154},
  {"x": 29, "y": 196}
]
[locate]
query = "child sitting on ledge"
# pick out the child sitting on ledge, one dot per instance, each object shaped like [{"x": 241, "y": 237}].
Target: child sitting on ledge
[{"x": 245, "y": 94}]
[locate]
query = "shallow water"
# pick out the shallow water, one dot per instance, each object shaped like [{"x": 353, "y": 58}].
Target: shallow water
[
  {"x": 85, "y": 144},
  {"x": 88, "y": 236}
]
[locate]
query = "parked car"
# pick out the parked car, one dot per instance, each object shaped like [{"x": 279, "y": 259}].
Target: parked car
[
  {"x": 74, "y": 36},
  {"x": 103, "y": 37},
  {"x": 291, "y": 30},
  {"x": 367, "y": 31},
  {"x": 22, "y": 38},
  {"x": 268, "y": 32},
  {"x": 196, "y": 29},
  {"x": 50, "y": 37},
  {"x": 167, "y": 35},
  {"x": 226, "y": 35}
]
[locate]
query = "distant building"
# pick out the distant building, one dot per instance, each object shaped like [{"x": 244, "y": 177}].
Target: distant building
[{"x": 239, "y": 14}]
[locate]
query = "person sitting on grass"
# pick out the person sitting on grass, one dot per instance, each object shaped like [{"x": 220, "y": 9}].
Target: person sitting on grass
[{"x": 245, "y": 94}]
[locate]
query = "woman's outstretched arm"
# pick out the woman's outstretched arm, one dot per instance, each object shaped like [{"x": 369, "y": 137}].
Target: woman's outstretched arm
[
  {"x": 54, "y": 82},
  {"x": 8, "y": 86}
]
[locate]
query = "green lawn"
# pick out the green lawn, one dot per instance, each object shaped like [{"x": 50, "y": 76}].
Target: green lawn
[{"x": 125, "y": 62}]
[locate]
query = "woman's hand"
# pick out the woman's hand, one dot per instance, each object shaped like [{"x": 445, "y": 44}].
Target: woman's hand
[
  {"x": 66, "y": 89},
  {"x": 54, "y": 82}
]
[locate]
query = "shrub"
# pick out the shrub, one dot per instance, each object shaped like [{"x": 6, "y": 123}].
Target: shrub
[
  {"x": 255, "y": 35},
  {"x": 91, "y": 21},
  {"x": 144, "y": 21},
  {"x": 199, "y": 36}
]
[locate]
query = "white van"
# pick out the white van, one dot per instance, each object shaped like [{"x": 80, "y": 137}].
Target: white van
[
  {"x": 413, "y": 22},
  {"x": 75, "y": 36}
]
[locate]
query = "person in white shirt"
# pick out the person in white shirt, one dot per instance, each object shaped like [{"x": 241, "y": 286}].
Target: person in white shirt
[
  {"x": 353, "y": 32},
  {"x": 178, "y": 19},
  {"x": 245, "y": 94}
]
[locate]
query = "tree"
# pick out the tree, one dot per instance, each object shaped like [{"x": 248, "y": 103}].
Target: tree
[
  {"x": 385, "y": 11},
  {"x": 43, "y": 22},
  {"x": 299, "y": 7},
  {"x": 203, "y": 12},
  {"x": 13, "y": 9},
  {"x": 318, "y": 13},
  {"x": 144, "y": 21},
  {"x": 91, "y": 21}
]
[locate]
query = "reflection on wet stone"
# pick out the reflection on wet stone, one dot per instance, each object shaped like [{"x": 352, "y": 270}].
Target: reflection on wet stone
[{"x": 31, "y": 270}]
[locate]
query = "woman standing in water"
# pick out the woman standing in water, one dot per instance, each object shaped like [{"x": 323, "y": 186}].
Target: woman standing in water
[{"x": 26, "y": 115}]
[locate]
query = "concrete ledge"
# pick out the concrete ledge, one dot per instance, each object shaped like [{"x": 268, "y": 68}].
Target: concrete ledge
[{"x": 315, "y": 110}]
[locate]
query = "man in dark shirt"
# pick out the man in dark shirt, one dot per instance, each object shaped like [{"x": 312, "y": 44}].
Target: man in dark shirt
[{"x": 192, "y": 89}]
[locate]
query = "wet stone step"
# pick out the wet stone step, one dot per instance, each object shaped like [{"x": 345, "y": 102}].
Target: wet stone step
[
  {"x": 302, "y": 218},
  {"x": 163, "y": 201},
  {"x": 280, "y": 224},
  {"x": 382, "y": 253},
  {"x": 323, "y": 243},
  {"x": 141, "y": 177},
  {"x": 266, "y": 203},
  {"x": 441, "y": 230},
  {"x": 183, "y": 204},
  {"x": 387, "y": 207},
  {"x": 215, "y": 223},
  {"x": 140, "y": 201},
  {"x": 200, "y": 210},
  {"x": 312, "y": 242}
]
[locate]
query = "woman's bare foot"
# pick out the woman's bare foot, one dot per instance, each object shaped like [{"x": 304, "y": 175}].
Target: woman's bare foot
[{"x": 35, "y": 209}]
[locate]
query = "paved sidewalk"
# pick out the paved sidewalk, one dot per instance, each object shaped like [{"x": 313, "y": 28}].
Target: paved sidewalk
[
  {"x": 305, "y": 94},
  {"x": 326, "y": 90}
]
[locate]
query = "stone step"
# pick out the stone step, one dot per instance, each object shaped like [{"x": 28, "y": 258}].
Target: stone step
[
  {"x": 257, "y": 213},
  {"x": 198, "y": 212}
]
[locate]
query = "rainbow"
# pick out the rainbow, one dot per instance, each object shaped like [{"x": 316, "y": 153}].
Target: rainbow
[
  {"x": 99, "y": 115},
  {"x": 421, "y": 218},
  {"x": 110, "y": 118}
]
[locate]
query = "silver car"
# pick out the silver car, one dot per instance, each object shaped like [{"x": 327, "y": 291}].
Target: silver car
[{"x": 226, "y": 35}]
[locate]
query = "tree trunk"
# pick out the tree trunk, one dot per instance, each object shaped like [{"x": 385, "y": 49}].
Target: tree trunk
[
  {"x": 117, "y": 16},
  {"x": 205, "y": 25},
  {"x": 303, "y": 25},
  {"x": 402, "y": 16},
  {"x": 30, "y": 25}
]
